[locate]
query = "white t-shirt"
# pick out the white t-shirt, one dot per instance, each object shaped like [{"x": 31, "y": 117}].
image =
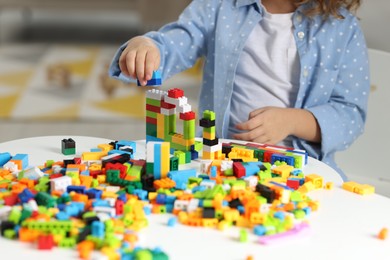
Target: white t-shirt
[{"x": 268, "y": 70}]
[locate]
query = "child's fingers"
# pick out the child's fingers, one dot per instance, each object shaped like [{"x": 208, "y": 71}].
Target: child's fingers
[
  {"x": 256, "y": 135},
  {"x": 123, "y": 64},
  {"x": 130, "y": 63},
  {"x": 140, "y": 66},
  {"x": 150, "y": 64}
]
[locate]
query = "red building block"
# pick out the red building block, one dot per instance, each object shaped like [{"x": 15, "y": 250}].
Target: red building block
[
  {"x": 45, "y": 242},
  {"x": 238, "y": 169},
  {"x": 187, "y": 116},
  {"x": 175, "y": 93}
]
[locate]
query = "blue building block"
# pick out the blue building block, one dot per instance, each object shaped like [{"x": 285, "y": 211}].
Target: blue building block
[
  {"x": 259, "y": 230},
  {"x": 62, "y": 216},
  {"x": 100, "y": 203},
  {"x": 241, "y": 209},
  {"x": 85, "y": 173},
  {"x": 98, "y": 229},
  {"x": 279, "y": 215},
  {"x": 121, "y": 152},
  {"x": 122, "y": 144},
  {"x": 172, "y": 221},
  {"x": 25, "y": 195},
  {"x": 157, "y": 161},
  {"x": 181, "y": 177},
  {"x": 154, "y": 81},
  {"x": 23, "y": 158},
  {"x": 122, "y": 197},
  {"x": 170, "y": 200},
  {"x": 4, "y": 158},
  {"x": 77, "y": 189},
  {"x": 142, "y": 194},
  {"x": 213, "y": 171},
  {"x": 283, "y": 158},
  {"x": 147, "y": 210},
  {"x": 161, "y": 199},
  {"x": 251, "y": 168},
  {"x": 155, "y": 139},
  {"x": 94, "y": 193},
  {"x": 169, "y": 208}
]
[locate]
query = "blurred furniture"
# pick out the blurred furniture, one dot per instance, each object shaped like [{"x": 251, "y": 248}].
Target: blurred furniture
[
  {"x": 153, "y": 13},
  {"x": 364, "y": 161}
]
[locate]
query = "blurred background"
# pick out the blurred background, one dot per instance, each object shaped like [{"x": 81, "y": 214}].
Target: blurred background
[{"x": 53, "y": 74}]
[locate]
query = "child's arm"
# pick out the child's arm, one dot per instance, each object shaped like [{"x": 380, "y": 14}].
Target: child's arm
[
  {"x": 334, "y": 123},
  {"x": 139, "y": 59},
  {"x": 179, "y": 45},
  {"x": 273, "y": 124}
]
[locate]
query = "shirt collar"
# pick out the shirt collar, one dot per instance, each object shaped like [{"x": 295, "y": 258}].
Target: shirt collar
[{"x": 240, "y": 3}]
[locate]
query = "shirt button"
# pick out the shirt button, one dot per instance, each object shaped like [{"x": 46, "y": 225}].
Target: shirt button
[
  {"x": 305, "y": 73},
  {"x": 299, "y": 18},
  {"x": 301, "y": 35}
]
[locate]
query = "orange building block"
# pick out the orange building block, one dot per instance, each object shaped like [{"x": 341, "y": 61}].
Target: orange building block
[{"x": 383, "y": 234}]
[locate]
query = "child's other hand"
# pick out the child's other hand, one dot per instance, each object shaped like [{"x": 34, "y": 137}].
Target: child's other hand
[
  {"x": 268, "y": 125},
  {"x": 139, "y": 59}
]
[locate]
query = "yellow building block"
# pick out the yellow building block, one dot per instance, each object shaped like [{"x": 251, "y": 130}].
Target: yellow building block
[
  {"x": 362, "y": 189},
  {"x": 105, "y": 147},
  {"x": 315, "y": 179},
  {"x": 283, "y": 170},
  {"x": 209, "y": 136},
  {"x": 165, "y": 146},
  {"x": 92, "y": 156},
  {"x": 160, "y": 126},
  {"x": 329, "y": 186},
  {"x": 257, "y": 218},
  {"x": 209, "y": 222}
]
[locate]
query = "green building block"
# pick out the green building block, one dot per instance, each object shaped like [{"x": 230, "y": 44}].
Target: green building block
[
  {"x": 10, "y": 234},
  {"x": 143, "y": 255},
  {"x": 67, "y": 242},
  {"x": 181, "y": 156},
  {"x": 15, "y": 215},
  {"x": 135, "y": 172},
  {"x": 173, "y": 163},
  {"x": 153, "y": 102},
  {"x": 208, "y": 114},
  {"x": 243, "y": 235},
  {"x": 44, "y": 199}
]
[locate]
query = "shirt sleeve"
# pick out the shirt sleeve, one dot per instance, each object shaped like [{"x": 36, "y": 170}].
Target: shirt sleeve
[
  {"x": 342, "y": 119},
  {"x": 180, "y": 43}
]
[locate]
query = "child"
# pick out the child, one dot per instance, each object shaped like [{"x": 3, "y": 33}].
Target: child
[{"x": 291, "y": 72}]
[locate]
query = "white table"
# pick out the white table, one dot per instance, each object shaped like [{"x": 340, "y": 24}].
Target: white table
[{"x": 345, "y": 227}]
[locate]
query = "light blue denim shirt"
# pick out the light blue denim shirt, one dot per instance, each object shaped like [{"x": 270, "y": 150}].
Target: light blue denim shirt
[{"x": 334, "y": 77}]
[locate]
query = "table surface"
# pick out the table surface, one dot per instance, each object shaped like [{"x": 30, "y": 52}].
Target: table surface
[{"x": 345, "y": 226}]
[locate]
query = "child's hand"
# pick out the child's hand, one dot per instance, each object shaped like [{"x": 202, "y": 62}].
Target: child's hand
[
  {"x": 139, "y": 59},
  {"x": 268, "y": 125}
]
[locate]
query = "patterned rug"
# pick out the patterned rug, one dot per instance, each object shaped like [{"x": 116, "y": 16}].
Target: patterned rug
[{"x": 69, "y": 82}]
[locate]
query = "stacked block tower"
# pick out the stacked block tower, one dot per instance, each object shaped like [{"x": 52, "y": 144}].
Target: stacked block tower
[
  {"x": 212, "y": 149},
  {"x": 169, "y": 118}
]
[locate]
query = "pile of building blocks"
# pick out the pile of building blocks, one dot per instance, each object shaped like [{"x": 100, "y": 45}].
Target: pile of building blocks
[{"x": 100, "y": 199}]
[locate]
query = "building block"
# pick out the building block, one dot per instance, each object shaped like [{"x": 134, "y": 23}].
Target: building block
[
  {"x": 4, "y": 158},
  {"x": 383, "y": 234},
  {"x": 68, "y": 146},
  {"x": 154, "y": 81}
]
